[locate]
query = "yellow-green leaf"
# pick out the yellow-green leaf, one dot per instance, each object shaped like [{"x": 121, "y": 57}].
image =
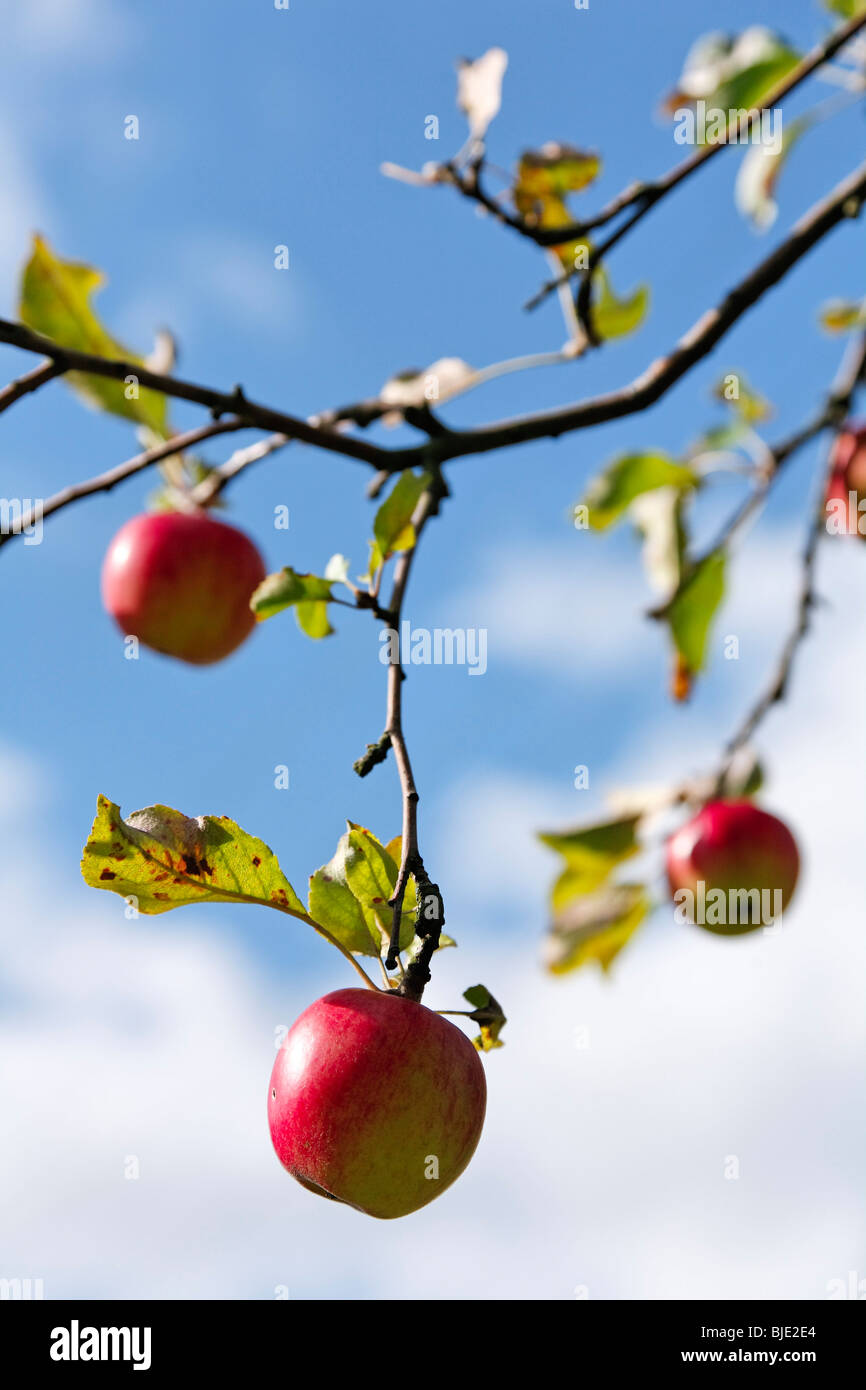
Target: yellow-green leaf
[
  {"x": 613, "y": 317},
  {"x": 55, "y": 301},
  {"x": 306, "y": 593},
  {"x": 164, "y": 859},
  {"x": 689, "y": 615},
  {"x": 371, "y": 874},
  {"x": 487, "y": 1013},
  {"x": 334, "y": 906},
  {"x": 846, "y": 8},
  {"x": 591, "y": 852},
  {"x": 554, "y": 171},
  {"x": 595, "y": 928},
  {"x": 392, "y": 525},
  {"x": 843, "y": 315}
]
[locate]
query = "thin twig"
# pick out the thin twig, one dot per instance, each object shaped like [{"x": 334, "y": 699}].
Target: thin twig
[
  {"x": 205, "y": 492},
  {"x": 103, "y": 482},
  {"x": 778, "y": 684},
  {"x": 830, "y": 416},
  {"x": 845, "y": 201},
  {"x": 31, "y": 381},
  {"x": 220, "y": 403},
  {"x": 851, "y": 377},
  {"x": 647, "y": 195},
  {"x": 410, "y": 860}
]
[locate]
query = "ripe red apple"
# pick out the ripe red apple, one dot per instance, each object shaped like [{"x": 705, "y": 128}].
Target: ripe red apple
[
  {"x": 181, "y": 582},
  {"x": 376, "y": 1101},
  {"x": 848, "y": 460},
  {"x": 736, "y": 847}
]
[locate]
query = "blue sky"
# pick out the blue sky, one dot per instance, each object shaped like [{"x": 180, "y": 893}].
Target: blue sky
[{"x": 261, "y": 128}]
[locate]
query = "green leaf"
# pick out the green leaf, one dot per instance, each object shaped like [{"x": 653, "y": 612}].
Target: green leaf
[
  {"x": 370, "y": 871},
  {"x": 55, "y": 301},
  {"x": 626, "y": 478},
  {"x": 689, "y": 615},
  {"x": 334, "y": 906},
  {"x": 595, "y": 928},
  {"x": 591, "y": 852},
  {"x": 392, "y": 526},
  {"x": 733, "y": 73},
  {"x": 613, "y": 317},
  {"x": 165, "y": 859},
  {"x": 748, "y": 88},
  {"x": 371, "y": 874},
  {"x": 307, "y": 593},
  {"x": 487, "y": 1013},
  {"x": 843, "y": 315}
]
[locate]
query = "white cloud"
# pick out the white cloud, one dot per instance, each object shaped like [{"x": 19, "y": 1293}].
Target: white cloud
[
  {"x": 576, "y": 608},
  {"x": 567, "y": 608},
  {"x": 90, "y": 31},
  {"x": 600, "y": 1166},
  {"x": 240, "y": 276}
]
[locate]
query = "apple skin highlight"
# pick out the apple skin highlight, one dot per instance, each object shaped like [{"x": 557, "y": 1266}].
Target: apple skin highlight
[{"x": 366, "y": 1091}]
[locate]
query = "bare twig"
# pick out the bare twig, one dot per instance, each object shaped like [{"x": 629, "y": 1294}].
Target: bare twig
[
  {"x": 219, "y": 403},
  {"x": 647, "y": 194},
  {"x": 850, "y": 378},
  {"x": 103, "y": 482},
  {"x": 430, "y": 910},
  {"x": 845, "y": 200},
  {"x": 411, "y": 862},
  {"x": 830, "y": 416},
  {"x": 778, "y": 684},
  {"x": 218, "y": 478},
  {"x": 31, "y": 381}
]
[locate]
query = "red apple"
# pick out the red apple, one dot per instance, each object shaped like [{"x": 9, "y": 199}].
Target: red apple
[
  {"x": 848, "y": 460},
  {"x": 376, "y": 1101},
  {"x": 735, "y": 847},
  {"x": 181, "y": 582}
]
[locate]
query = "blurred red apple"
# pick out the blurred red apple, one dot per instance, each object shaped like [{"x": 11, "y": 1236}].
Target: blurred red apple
[
  {"x": 846, "y": 490},
  {"x": 733, "y": 867},
  {"x": 181, "y": 582},
  {"x": 376, "y": 1101}
]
